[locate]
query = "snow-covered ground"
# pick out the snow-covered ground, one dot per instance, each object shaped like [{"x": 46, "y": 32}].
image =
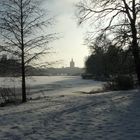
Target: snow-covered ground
[
  {"x": 67, "y": 114},
  {"x": 50, "y": 85}
]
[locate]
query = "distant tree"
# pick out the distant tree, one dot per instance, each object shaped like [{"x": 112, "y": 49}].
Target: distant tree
[
  {"x": 24, "y": 34},
  {"x": 122, "y": 16}
]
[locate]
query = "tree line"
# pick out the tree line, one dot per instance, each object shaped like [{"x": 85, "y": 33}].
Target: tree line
[{"x": 107, "y": 60}]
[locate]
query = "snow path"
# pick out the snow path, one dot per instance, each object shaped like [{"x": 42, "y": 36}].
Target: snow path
[{"x": 74, "y": 116}]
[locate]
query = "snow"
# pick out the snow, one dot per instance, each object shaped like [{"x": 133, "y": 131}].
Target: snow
[
  {"x": 66, "y": 114},
  {"x": 43, "y": 81}
]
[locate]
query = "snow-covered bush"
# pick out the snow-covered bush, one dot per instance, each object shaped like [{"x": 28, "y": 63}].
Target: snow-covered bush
[{"x": 120, "y": 82}]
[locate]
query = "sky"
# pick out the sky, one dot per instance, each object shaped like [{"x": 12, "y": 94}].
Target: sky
[{"x": 71, "y": 42}]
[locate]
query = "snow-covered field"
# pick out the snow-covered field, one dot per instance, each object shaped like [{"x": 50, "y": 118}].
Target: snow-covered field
[
  {"x": 66, "y": 114},
  {"x": 50, "y": 85}
]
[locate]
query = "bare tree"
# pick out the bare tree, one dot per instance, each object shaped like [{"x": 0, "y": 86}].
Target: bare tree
[
  {"x": 23, "y": 28},
  {"x": 118, "y": 17}
]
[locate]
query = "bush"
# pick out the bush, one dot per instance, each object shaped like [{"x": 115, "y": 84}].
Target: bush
[
  {"x": 7, "y": 95},
  {"x": 120, "y": 82},
  {"x": 124, "y": 82},
  {"x": 109, "y": 86},
  {"x": 86, "y": 76}
]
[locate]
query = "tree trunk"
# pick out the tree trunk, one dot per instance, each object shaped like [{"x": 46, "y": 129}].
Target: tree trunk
[
  {"x": 136, "y": 55},
  {"x": 23, "y": 80},
  {"x": 24, "y": 99},
  {"x": 135, "y": 51}
]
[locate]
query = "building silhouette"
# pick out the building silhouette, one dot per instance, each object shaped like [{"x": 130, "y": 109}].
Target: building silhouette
[{"x": 72, "y": 64}]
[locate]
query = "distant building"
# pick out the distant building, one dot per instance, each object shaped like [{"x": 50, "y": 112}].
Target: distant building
[{"x": 72, "y": 64}]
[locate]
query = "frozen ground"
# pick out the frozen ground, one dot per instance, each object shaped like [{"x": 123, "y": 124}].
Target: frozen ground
[
  {"x": 50, "y": 85},
  {"x": 73, "y": 115}
]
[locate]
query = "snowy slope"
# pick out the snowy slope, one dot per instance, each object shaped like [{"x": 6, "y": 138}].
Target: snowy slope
[{"x": 74, "y": 116}]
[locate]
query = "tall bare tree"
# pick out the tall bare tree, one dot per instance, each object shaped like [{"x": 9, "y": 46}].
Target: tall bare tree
[
  {"x": 23, "y": 28},
  {"x": 122, "y": 16}
]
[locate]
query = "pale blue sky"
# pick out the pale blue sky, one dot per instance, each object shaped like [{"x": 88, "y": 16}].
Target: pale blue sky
[{"x": 71, "y": 43}]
